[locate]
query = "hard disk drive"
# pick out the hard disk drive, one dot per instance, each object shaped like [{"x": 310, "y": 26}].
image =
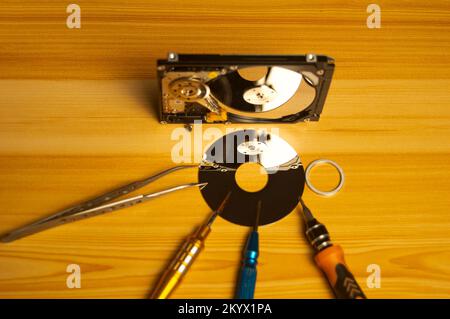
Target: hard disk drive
[{"x": 243, "y": 88}]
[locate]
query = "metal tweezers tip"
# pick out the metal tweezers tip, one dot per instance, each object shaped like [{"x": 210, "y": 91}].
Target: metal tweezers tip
[{"x": 202, "y": 185}]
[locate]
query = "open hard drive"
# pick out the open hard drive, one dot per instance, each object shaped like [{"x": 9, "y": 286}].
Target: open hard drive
[{"x": 243, "y": 88}]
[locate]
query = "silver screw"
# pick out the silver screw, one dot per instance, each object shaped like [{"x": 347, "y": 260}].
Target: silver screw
[
  {"x": 310, "y": 57},
  {"x": 172, "y": 57}
]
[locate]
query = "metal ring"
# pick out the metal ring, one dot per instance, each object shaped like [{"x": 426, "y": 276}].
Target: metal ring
[{"x": 321, "y": 162}]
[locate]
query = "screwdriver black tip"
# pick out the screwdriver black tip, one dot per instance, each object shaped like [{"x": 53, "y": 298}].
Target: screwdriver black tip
[
  {"x": 258, "y": 215},
  {"x": 307, "y": 215}
]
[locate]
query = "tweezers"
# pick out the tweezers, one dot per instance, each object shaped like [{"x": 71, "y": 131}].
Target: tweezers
[{"x": 99, "y": 205}]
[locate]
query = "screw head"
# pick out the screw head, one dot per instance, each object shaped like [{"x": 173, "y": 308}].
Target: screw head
[
  {"x": 172, "y": 57},
  {"x": 310, "y": 57}
]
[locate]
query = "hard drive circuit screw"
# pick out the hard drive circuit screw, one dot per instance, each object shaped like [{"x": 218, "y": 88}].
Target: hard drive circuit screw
[
  {"x": 311, "y": 58},
  {"x": 172, "y": 57},
  {"x": 320, "y": 72},
  {"x": 163, "y": 122},
  {"x": 161, "y": 68},
  {"x": 233, "y": 67}
]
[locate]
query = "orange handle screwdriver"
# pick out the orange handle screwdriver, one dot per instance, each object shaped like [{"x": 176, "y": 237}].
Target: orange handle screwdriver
[{"x": 330, "y": 259}]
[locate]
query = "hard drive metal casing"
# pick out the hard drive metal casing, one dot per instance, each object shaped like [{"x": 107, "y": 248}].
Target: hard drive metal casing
[{"x": 215, "y": 88}]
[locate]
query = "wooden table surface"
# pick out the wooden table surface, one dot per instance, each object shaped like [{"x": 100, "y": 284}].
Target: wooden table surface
[{"x": 78, "y": 117}]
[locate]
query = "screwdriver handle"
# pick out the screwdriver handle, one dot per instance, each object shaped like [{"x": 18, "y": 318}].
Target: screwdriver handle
[
  {"x": 331, "y": 261},
  {"x": 247, "y": 278},
  {"x": 247, "y": 283},
  {"x": 181, "y": 263}
]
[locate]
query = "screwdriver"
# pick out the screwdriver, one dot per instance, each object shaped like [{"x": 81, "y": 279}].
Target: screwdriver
[
  {"x": 186, "y": 256},
  {"x": 247, "y": 278},
  {"x": 330, "y": 259}
]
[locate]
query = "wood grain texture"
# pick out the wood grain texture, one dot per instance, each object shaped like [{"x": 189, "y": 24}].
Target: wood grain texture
[{"x": 78, "y": 117}]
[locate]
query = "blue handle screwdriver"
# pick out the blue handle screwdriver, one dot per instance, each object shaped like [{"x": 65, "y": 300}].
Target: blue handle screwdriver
[{"x": 247, "y": 278}]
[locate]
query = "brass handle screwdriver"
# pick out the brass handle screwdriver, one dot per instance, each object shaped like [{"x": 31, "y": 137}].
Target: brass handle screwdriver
[{"x": 186, "y": 256}]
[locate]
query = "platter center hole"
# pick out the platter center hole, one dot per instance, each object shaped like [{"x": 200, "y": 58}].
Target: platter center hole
[{"x": 251, "y": 177}]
